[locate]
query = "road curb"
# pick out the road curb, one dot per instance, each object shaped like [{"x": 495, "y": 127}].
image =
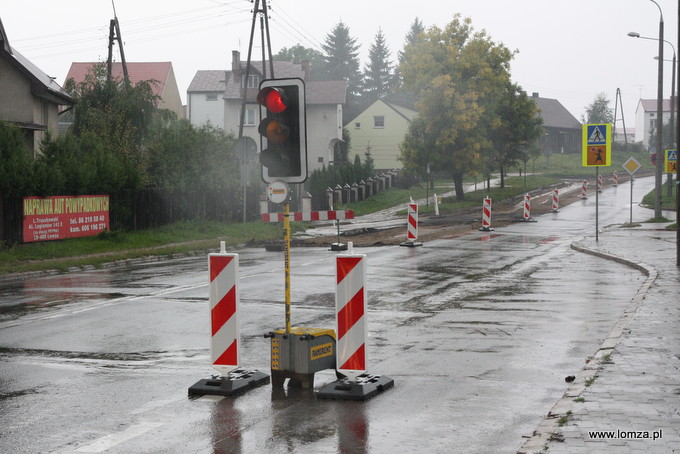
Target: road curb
[{"x": 548, "y": 429}]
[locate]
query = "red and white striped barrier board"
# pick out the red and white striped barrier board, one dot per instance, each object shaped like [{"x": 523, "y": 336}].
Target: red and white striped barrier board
[
  {"x": 556, "y": 201},
  {"x": 224, "y": 317},
  {"x": 527, "y": 207},
  {"x": 616, "y": 178},
  {"x": 310, "y": 216},
  {"x": 350, "y": 309},
  {"x": 412, "y": 228},
  {"x": 486, "y": 215},
  {"x": 599, "y": 183},
  {"x": 584, "y": 190}
]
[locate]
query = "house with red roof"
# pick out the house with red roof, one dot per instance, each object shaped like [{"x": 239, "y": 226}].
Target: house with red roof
[
  {"x": 215, "y": 97},
  {"x": 29, "y": 98},
  {"x": 165, "y": 85}
]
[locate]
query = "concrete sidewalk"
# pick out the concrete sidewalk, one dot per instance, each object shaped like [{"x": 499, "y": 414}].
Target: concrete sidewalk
[{"x": 629, "y": 391}]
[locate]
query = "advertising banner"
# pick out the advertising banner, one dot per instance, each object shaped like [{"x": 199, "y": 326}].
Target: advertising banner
[{"x": 59, "y": 217}]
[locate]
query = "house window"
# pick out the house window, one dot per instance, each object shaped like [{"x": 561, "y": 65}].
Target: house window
[
  {"x": 357, "y": 125},
  {"x": 250, "y": 115},
  {"x": 379, "y": 121},
  {"x": 253, "y": 81},
  {"x": 210, "y": 97}
]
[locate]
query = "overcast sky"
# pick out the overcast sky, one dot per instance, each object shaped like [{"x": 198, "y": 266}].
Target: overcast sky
[{"x": 569, "y": 50}]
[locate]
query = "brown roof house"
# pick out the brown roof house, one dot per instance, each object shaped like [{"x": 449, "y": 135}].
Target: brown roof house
[
  {"x": 161, "y": 72},
  {"x": 29, "y": 98},
  {"x": 215, "y": 97},
  {"x": 562, "y": 129}
]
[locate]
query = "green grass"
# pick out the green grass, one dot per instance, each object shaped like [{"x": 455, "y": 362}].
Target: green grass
[
  {"x": 108, "y": 247},
  {"x": 569, "y": 165}
]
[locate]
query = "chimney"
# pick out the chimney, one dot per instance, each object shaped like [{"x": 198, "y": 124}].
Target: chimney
[
  {"x": 236, "y": 64},
  {"x": 306, "y": 68}
]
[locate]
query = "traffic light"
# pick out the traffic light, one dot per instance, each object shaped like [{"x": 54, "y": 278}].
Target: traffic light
[{"x": 283, "y": 130}]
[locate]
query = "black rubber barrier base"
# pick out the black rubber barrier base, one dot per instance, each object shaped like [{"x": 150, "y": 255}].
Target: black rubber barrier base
[
  {"x": 338, "y": 247},
  {"x": 411, "y": 244},
  {"x": 237, "y": 382},
  {"x": 365, "y": 387}
]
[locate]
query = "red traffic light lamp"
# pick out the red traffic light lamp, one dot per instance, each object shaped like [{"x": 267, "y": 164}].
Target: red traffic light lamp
[{"x": 283, "y": 130}]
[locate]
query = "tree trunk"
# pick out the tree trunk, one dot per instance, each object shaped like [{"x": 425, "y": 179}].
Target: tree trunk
[
  {"x": 458, "y": 185},
  {"x": 502, "y": 177}
]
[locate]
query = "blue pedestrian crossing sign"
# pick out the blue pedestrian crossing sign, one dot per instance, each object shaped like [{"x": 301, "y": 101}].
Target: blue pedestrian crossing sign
[
  {"x": 597, "y": 145},
  {"x": 671, "y": 161}
]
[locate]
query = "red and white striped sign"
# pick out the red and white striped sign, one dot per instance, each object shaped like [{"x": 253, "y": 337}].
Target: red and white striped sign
[
  {"x": 310, "y": 216},
  {"x": 599, "y": 183},
  {"x": 527, "y": 207},
  {"x": 412, "y": 228},
  {"x": 224, "y": 317},
  {"x": 584, "y": 190},
  {"x": 555, "y": 201},
  {"x": 486, "y": 214},
  {"x": 350, "y": 310},
  {"x": 616, "y": 178}
]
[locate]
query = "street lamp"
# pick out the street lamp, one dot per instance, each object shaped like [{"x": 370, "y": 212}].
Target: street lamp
[
  {"x": 659, "y": 114},
  {"x": 671, "y": 141}
]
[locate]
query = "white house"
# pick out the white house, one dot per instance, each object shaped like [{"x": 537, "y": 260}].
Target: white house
[
  {"x": 646, "y": 118},
  {"x": 216, "y": 96}
]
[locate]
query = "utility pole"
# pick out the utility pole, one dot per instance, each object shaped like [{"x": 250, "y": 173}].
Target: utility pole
[
  {"x": 114, "y": 35},
  {"x": 618, "y": 101}
]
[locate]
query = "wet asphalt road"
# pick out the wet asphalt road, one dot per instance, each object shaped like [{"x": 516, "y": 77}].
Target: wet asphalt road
[{"x": 478, "y": 331}]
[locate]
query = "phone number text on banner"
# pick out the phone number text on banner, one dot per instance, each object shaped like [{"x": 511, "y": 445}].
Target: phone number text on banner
[{"x": 59, "y": 217}]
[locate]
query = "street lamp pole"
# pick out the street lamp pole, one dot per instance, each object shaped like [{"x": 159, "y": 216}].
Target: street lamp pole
[{"x": 659, "y": 121}]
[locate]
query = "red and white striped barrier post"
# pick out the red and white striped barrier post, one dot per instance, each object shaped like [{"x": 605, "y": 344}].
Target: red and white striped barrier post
[
  {"x": 225, "y": 343},
  {"x": 599, "y": 183},
  {"x": 350, "y": 310},
  {"x": 555, "y": 201},
  {"x": 351, "y": 330},
  {"x": 486, "y": 215},
  {"x": 412, "y": 227},
  {"x": 616, "y": 178},
  {"x": 584, "y": 190},
  {"x": 527, "y": 207},
  {"x": 307, "y": 216},
  {"x": 224, "y": 317}
]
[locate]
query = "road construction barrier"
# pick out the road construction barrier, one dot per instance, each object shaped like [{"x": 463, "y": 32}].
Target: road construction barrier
[
  {"x": 224, "y": 316},
  {"x": 436, "y": 205},
  {"x": 556, "y": 201},
  {"x": 486, "y": 215},
  {"x": 225, "y": 344},
  {"x": 332, "y": 215},
  {"x": 527, "y": 207},
  {"x": 599, "y": 183},
  {"x": 412, "y": 226},
  {"x": 352, "y": 332},
  {"x": 584, "y": 190},
  {"x": 350, "y": 310},
  {"x": 616, "y": 178}
]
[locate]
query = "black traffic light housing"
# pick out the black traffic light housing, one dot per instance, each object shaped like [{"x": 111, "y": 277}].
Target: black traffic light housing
[{"x": 283, "y": 130}]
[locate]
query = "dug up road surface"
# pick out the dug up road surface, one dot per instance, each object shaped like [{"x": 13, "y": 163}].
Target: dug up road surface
[{"x": 463, "y": 220}]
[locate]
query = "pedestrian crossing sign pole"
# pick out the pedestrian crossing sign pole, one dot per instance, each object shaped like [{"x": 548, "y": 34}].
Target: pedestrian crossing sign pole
[{"x": 597, "y": 145}]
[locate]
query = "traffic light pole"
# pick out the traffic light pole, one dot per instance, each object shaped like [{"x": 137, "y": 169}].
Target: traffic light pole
[{"x": 286, "y": 252}]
